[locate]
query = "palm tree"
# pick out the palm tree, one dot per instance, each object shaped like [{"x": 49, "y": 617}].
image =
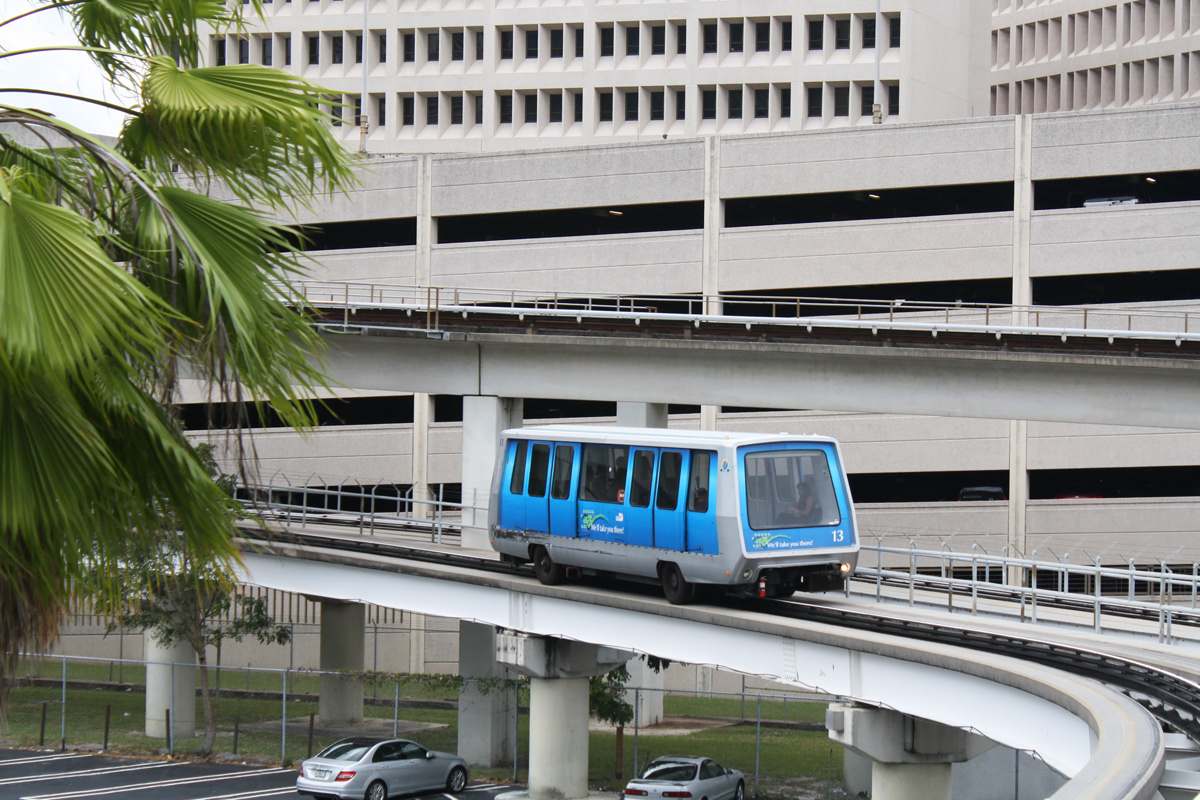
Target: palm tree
[{"x": 123, "y": 267}]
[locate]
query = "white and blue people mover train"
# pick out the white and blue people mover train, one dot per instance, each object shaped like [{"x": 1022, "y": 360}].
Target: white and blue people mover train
[{"x": 760, "y": 516}]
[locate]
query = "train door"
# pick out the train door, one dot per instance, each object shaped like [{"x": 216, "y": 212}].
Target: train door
[
  {"x": 512, "y": 488},
  {"x": 537, "y": 509},
  {"x": 701, "y": 503},
  {"x": 563, "y": 479},
  {"x": 669, "y": 526},
  {"x": 639, "y": 517},
  {"x": 603, "y": 485}
]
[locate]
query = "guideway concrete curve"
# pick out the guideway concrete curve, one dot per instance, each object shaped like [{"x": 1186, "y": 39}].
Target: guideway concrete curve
[{"x": 1109, "y": 747}]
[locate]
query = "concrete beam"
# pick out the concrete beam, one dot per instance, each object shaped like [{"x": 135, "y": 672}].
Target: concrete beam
[{"x": 1108, "y": 390}]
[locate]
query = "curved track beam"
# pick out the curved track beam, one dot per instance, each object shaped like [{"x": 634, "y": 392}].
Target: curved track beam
[{"x": 1108, "y": 745}]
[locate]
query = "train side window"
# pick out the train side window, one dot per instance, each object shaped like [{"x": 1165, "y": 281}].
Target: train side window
[
  {"x": 539, "y": 467},
  {"x": 564, "y": 459},
  {"x": 643, "y": 477},
  {"x": 517, "y": 484},
  {"x": 605, "y": 468},
  {"x": 698, "y": 496},
  {"x": 668, "y": 480}
]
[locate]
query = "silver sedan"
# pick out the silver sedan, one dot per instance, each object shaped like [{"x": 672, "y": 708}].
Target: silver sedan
[
  {"x": 373, "y": 769},
  {"x": 687, "y": 777}
]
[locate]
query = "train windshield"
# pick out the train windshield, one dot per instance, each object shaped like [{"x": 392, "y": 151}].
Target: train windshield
[{"x": 790, "y": 489}]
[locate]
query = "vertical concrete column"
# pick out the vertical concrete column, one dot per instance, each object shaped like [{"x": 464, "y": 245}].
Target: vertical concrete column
[
  {"x": 1022, "y": 295},
  {"x": 650, "y": 699},
  {"x": 426, "y": 224},
  {"x": 343, "y": 635},
  {"x": 483, "y": 420},
  {"x": 558, "y": 707},
  {"x": 912, "y": 758},
  {"x": 422, "y": 418},
  {"x": 1018, "y": 490},
  {"x": 485, "y": 717},
  {"x": 170, "y": 686},
  {"x": 558, "y": 738},
  {"x": 416, "y": 643},
  {"x": 710, "y": 269},
  {"x": 1022, "y": 284},
  {"x": 642, "y": 415}
]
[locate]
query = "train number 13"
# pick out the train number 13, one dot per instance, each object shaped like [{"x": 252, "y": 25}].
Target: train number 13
[{"x": 839, "y": 536}]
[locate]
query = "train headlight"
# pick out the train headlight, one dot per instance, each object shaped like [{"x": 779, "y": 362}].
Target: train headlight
[
  {"x": 845, "y": 567},
  {"x": 746, "y": 575}
]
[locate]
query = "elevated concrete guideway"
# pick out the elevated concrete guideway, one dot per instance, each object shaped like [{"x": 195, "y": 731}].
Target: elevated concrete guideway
[
  {"x": 1106, "y": 744},
  {"x": 937, "y": 381}
]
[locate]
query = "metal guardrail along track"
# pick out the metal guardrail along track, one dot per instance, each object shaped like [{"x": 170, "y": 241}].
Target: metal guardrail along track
[{"x": 1171, "y": 698}]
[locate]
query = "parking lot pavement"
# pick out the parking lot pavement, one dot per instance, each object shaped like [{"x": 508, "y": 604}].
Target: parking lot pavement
[{"x": 47, "y": 775}]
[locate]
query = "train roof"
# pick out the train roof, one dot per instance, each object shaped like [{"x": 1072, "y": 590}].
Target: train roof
[{"x": 665, "y": 437}]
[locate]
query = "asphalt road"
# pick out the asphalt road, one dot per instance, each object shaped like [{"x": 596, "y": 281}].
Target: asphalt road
[{"x": 51, "y": 775}]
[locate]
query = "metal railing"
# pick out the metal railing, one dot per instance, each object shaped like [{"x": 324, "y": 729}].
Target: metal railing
[
  {"x": 367, "y": 509},
  {"x": 427, "y": 304},
  {"x": 1160, "y": 591}
]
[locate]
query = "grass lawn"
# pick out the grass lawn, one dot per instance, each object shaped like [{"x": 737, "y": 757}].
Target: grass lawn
[{"x": 786, "y": 755}]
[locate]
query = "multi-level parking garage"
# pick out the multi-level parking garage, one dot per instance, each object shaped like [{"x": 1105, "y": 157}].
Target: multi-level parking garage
[{"x": 992, "y": 211}]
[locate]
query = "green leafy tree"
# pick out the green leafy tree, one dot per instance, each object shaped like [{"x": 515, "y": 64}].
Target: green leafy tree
[
  {"x": 171, "y": 596},
  {"x": 607, "y": 702},
  {"x": 121, "y": 271},
  {"x": 174, "y": 599}
]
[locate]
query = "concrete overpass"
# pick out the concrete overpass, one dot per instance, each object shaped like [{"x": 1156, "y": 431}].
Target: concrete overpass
[{"x": 935, "y": 380}]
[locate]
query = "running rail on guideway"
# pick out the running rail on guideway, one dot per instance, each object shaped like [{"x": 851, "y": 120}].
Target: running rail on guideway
[
  {"x": 943, "y": 361},
  {"x": 1107, "y": 744}
]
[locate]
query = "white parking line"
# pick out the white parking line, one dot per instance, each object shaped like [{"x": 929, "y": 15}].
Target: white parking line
[
  {"x": 137, "y": 787},
  {"x": 42, "y": 758},
  {"x": 82, "y": 772},
  {"x": 259, "y": 793},
  {"x": 482, "y": 786}
]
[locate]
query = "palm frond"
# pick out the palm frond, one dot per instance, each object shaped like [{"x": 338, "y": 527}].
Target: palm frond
[{"x": 258, "y": 131}]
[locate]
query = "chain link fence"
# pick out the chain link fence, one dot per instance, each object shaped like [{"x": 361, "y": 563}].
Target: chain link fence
[{"x": 778, "y": 741}]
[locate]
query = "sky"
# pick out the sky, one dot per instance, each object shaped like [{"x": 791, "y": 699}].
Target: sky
[{"x": 59, "y": 71}]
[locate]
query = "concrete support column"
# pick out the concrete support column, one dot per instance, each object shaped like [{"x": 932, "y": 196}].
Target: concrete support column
[
  {"x": 642, "y": 415},
  {"x": 343, "y": 633},
  {"x": 649, "y": 706},
  {"x": 170, "y": 686},
  {"x": 1022, "y": 284},
  {"x": 422, "y": 418},
  {"x": 558, "y": 738},
  {"x": 483, "y": 420},
  {"x": 485, "y": 719},
  {"x": 416, "y": 642},
  {"x": 1018, "y": 491},
  {"x": 710, "y": 268},
  {"x": 1022, "y": 296},
  {"x": 911, "y": 757},
  {"x": 558, "y": 707},
  {"x": 426, "y": 223}
]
